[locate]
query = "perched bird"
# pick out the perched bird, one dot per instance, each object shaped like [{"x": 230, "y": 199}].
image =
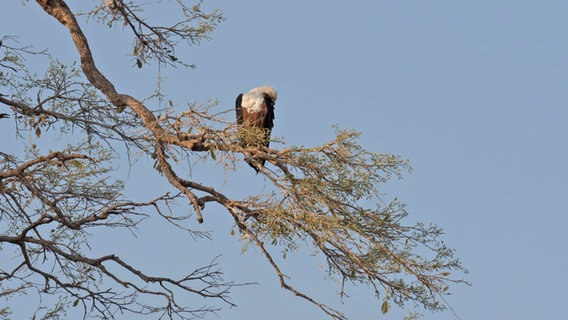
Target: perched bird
[{"x": 255, "y": 109}]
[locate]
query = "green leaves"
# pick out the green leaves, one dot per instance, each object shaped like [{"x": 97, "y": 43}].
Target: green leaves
[{"x": 325, "y": 199}]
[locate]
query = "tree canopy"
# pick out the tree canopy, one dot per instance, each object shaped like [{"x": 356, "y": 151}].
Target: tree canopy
[{"x": 327, "y": 198}]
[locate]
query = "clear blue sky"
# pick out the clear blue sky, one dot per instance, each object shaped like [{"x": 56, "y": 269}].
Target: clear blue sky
[{"x": 474, "y": 93}]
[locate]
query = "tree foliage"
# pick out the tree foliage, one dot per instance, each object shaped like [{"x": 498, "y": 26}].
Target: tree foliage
[{"x": 326, "y": 197}]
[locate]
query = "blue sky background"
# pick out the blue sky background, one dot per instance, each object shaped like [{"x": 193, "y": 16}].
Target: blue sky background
[{"x": 472, "y": 92}]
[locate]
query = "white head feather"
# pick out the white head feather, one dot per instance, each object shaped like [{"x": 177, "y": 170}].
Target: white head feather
[
  {"x": 269, "y": 90},
  {"x": 254, "y": 99}
]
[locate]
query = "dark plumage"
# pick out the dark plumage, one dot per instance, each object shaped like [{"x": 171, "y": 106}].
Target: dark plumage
[{"x": 255, "y": 109}]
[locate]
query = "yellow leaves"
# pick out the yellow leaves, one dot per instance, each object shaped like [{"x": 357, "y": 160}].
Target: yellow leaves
[
  {"x": 77, "y": 164},
  {"x": 253, "y": 136},
  {"x": 385, "y": 307},
  {"x": 36, "y": 123}
]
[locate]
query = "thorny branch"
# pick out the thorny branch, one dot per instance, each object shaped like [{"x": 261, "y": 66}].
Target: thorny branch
[
  {"x": 157, "y": 42},
  {"x": 75, "y": 210},
  {"x": 319, "y": 198}
]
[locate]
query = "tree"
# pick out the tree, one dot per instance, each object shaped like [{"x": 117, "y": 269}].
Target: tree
[{"x": 317, "y": 196}]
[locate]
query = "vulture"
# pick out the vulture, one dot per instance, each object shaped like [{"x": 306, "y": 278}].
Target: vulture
[{"x": 255, "y": 119}]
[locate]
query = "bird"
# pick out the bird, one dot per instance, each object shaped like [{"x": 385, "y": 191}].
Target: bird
[
  {"x": 255, "y": 109},
  {"x": 4, "y": 115}
]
